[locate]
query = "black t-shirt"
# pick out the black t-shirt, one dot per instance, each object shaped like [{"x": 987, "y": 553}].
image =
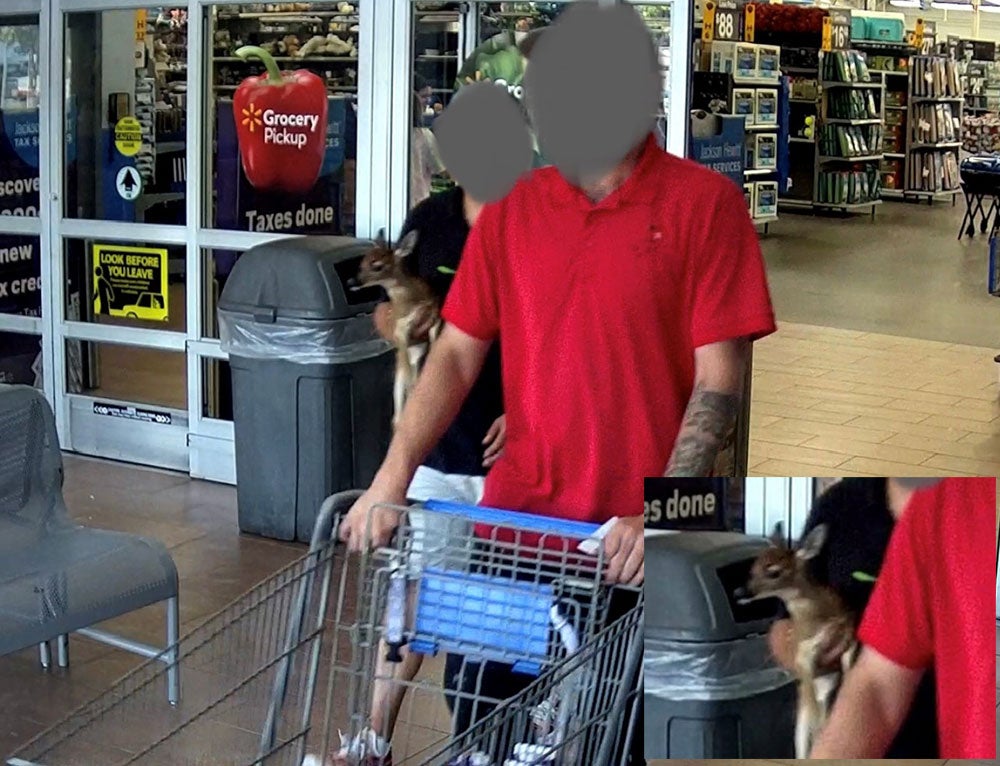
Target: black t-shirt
[
  {"x": 441, "y": 233},
  {"x": 859, "y": 526}
]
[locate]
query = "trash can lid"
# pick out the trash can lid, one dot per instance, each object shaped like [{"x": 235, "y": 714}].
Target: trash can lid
[
  {"x": 691, "y": 582},
  {"x": 299, "y": 278}
]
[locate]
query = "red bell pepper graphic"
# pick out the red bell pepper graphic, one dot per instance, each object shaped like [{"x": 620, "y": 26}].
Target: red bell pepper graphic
[{"x": 281, "y": 126}]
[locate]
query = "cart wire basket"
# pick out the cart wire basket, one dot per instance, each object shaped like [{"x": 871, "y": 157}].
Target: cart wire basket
[{"x": 291, "y": 668}]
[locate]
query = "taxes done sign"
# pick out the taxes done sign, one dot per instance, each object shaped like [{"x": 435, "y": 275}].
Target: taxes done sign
[{"x": 685, "y": 504}]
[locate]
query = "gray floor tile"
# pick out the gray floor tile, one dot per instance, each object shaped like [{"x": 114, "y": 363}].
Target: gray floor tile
[{"x": 847, "y": 273}]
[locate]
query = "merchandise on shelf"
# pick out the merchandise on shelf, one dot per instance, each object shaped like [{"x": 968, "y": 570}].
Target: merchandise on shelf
[
  {"x": 891, "y": 170},
  {"x": 935, "y": 77},
  {"x": 745, "y": 104},
  {"x": 933, "y": 124},
  {"x": 789, "y": 25},
  {"x": 766, "y": 107},
  {"x": 855, "y": 186},
  {"x": 762, "y": 151},
  {"x": 851, "y": 105},
  {"x": 878, "y": 26},
  {"x": 933, "y": 172},
  {"x": 735, "y": 58},
  {"x": 320, "y": 37},
  {"x": 765, "y": 199},
  {"x": 850, "y": 140},
  {"x": 845, "y": 66},
  {"x": 981, "y": 134}
]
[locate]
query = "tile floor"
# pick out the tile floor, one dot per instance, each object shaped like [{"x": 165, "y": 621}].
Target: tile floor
[
  {"x": 850, "y": 403},
  {"x": 903, "y": 274}
]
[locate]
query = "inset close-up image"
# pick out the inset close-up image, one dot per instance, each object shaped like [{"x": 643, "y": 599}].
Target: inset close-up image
[{"x": 829, "y": 618}]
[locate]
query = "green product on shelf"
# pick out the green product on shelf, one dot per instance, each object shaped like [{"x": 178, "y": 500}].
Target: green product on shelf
[
  {"x": 852, "y": 67},
  {"x": 862, "y": 68},
  {"x": 845, "y": 144}
]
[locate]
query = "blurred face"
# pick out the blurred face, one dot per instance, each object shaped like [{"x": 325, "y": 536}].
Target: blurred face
[{"x": 425, "y": 95}]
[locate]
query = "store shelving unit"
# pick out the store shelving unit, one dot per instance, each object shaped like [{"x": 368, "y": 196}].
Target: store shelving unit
[
  {"x": 753, "y": 175},
  {"x": 933, "y": 135},
  {"x": 438, "y": 49},
  {"x": 846, "y": 142},
  {"x": 292, "y": 38},
  {"x": 889, "y": 62}
]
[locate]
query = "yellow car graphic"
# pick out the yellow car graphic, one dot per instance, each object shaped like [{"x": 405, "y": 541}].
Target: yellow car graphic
[{"x": 147, "y": 306}]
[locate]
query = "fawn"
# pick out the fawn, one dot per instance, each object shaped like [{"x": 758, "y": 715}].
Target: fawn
[
  {"x": 820, "y": 619},
  {"x": 411, "y": 299}
]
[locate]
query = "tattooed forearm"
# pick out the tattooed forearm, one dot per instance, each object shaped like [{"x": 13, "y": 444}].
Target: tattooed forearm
[{"x": 709, "y": 417}]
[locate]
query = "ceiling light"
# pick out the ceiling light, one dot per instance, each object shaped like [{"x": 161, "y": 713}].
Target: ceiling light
[
  {"x": 905, "y": 3},
  {"x": 942, "y": 6}
]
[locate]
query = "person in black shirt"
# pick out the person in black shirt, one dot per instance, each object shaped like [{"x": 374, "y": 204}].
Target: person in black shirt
[
  {"x": 455, "y": 470},
  {"x": 860, "y": 515}
]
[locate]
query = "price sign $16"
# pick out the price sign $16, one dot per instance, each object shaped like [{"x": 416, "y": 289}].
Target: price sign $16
[{"x": 840, "y": 29}]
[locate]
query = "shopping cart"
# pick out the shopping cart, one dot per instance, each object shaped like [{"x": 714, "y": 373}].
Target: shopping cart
[{"x": 287, "y": 667}]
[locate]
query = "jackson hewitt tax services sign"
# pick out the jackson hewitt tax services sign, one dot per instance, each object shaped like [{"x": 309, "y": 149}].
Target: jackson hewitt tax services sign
[{"x": 685, "y": 504}]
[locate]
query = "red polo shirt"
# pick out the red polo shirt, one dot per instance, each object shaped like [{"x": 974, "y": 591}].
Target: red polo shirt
[
  {"x": 600, "y": 308},
  {"x": 931, "y": 604}
]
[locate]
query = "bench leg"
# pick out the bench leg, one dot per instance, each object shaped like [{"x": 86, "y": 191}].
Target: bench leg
[
  {"x": 62, "y": 650},
  {"x": 173, "y": 671},
  {"x": 45, "y": 655}
]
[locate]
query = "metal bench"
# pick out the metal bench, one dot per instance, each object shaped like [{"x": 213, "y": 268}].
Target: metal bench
[{"x": 57, "y": 577}]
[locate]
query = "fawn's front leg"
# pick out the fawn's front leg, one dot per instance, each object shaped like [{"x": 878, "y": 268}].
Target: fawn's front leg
[
  {"x": 399, "y": 386},
  {"x": 807, "y": 717}
]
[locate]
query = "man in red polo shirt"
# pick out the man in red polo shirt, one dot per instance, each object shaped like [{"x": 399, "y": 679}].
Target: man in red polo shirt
[
  {"x": 626, "y": 284},
  {"x": 931, "y": 606}
]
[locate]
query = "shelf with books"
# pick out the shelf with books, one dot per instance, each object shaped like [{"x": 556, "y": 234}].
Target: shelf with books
[{"x": 933, "y": 134}]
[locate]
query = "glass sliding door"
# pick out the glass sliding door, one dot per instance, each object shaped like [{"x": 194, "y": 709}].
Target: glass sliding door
[
  {"x": 119, "y": 230},
  {"x": 21, "y": 304}
]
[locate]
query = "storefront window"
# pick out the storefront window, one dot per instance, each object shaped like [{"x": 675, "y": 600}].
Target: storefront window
[
  {"x": 21, "y": 359},
  {"x": 129, "y": 374},
  {"x": 657, "y": 18},
  {"x": 126, "y": 106},
  {"x": 20, "y": 275},
  {"x": 500, "y": 53},
  {"x": 18, "y": 117},
  {"x": 218, "y": 390},
  {"x": 131, "y": 285},
  {"x": 218, "y": 266},
  {"x": 283, "y": 157}
]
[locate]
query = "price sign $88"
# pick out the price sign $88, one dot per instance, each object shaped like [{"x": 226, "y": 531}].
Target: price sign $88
[{"x": 726, "y": 24}]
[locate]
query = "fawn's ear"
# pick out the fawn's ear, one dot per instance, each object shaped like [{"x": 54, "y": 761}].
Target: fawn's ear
[
  {"x": 777, "y": 537},
  {"x": 405, "y": 246},
  {"x": 813, "y": 543}
]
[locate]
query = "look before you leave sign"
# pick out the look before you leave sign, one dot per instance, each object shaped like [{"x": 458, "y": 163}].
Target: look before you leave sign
[
  {"x": 685, "y": 504},
  {"x": 130, "y": 282}
]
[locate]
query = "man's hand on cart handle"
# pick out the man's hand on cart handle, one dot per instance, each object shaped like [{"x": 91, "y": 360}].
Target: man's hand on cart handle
[
  {"x": 383, "y": 520},
  {"x": 625, "y": 551}
]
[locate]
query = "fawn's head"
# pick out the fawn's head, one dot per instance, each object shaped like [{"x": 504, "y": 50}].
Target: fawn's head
[
  {"x": 779, "y": 570},
  {"x": 384, "y": 265}
]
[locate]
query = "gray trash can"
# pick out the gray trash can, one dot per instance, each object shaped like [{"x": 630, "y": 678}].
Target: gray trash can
[
  {"x": 712, "y": 689},
  {"x": 312, "y": 381}
]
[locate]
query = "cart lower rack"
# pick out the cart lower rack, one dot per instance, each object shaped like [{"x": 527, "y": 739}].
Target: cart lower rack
[{"x": 292, "y": 664}]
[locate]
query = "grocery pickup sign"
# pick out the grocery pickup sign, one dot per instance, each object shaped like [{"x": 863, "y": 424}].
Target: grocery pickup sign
[{"x": 685, "y": 504}]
